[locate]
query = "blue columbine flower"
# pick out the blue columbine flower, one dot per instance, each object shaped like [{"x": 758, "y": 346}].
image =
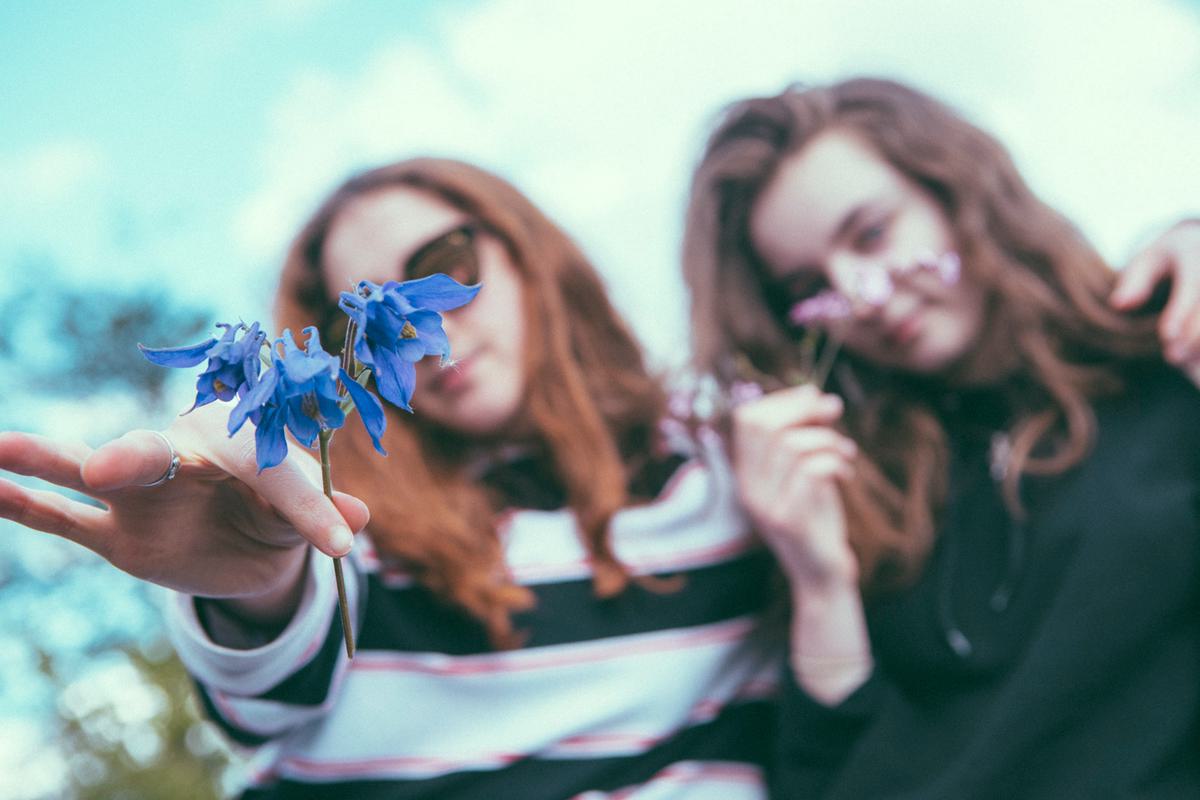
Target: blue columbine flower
[
  {"x": 233, "y": 363},
  {"x": 299, "y": 393},
  {"x": 398, "y": 324}
]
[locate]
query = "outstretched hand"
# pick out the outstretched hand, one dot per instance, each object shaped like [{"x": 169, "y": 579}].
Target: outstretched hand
[
  {"x": 1175, "y": 255},
  {"x": 219, "y": 528}
]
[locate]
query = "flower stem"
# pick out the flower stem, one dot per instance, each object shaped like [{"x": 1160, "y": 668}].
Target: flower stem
[
  {"x": 824, "y": 364},
  {"x": 343, "y": 605}
]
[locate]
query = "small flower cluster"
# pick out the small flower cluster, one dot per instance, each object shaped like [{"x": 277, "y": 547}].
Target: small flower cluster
[
  {"x": 873, "y": 286},
  {"x": 307, "y": 390}
]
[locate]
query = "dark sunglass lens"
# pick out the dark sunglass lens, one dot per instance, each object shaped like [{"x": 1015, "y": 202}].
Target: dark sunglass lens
[{"x": 452, "y": 253}]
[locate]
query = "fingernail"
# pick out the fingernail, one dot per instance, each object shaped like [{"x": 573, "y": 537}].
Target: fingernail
[{"x": 341, "y": 540}]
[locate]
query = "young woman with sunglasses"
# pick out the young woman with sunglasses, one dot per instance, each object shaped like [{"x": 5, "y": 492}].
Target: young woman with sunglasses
[
  {"x": 990, "y": 516},
  {"x": 552, "y": 599}
]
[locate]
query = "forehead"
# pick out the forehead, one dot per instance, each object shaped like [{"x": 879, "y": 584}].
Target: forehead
[
  {"x": 812, "y": 191},
  {"x": 374, "y": 234}
]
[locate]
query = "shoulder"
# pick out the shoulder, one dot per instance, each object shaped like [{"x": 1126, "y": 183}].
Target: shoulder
[{"x": 1139, "y": 482}]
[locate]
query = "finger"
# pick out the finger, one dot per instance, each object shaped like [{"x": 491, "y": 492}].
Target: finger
[
  {"x": 135, "y": 459},
  {"x": 282, "y": 533},
  {"x": 1183, "y": 306},
  {"x": 1136, "y": 282},
  {"x": 292, "y": 489},
  {"x": 1193, "y": 372},
  {"x": 353, "y": 511},
  {"x": 827, "y": 466},
  {"x": 787, "y": 408},
  {"x": 802, "y": 400},
  {"x": 295, "y": 497},
  {"x": 40, "y": 457},
  {"x": 804, "y": 455},
  {"x": 52, "y": 513},
  {"x": 1184, "y": 349},
  {"x": 807, "y": 441}
]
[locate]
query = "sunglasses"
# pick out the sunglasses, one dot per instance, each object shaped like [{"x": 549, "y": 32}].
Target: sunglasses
[{"x": 452, "y": 253}]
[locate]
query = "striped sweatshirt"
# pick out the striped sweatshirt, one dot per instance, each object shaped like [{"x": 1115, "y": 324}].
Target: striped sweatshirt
[{"x": 645, "y": 696}]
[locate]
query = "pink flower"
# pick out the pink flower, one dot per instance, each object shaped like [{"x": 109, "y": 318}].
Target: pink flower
[
  {"x": 874, "y": 286},
  {"x": 744, "y": 391},
  {"x": 947, "y": 266},
  {"x": 824, "y": 306}
]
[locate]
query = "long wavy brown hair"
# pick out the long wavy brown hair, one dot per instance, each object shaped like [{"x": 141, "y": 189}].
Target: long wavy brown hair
[
  {"x": 589, "y": 401},
  {"x": 1047, "y": 290}
]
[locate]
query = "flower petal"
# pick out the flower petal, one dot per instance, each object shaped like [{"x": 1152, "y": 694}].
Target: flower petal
[
  {"x": 409, "y": 349},
  {"x": 429, "y": 325},
  {"x": 253, "y": 400},
  {"x": 302, "y": 426},
  {"x": 395, "y": 378},
  {"x": 329, "y": 404},
  {"x": 369, "y": 409},
  {"x": 438, "y": 292},
  {"x": 188, "y": 356},
  {"x": 270, "y": 443}
]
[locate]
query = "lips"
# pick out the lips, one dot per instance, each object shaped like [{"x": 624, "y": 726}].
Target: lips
[
  {"x": 453, "y": 378},
  {"x": 904, "y": 331}
]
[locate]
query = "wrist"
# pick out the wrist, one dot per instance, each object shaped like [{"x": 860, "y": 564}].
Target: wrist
[
  {"x": 823, "y": 584},
  {"x": 246, "y": 623},
  {"x": 830, "y": 653}
]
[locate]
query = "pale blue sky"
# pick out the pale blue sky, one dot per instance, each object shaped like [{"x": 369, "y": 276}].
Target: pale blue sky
[{"x": 183, "y": 142}]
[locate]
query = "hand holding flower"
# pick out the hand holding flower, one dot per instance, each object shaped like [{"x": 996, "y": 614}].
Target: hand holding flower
[
  {"x": 219, "y": 529},
  {"x": 307, "y": 392}
]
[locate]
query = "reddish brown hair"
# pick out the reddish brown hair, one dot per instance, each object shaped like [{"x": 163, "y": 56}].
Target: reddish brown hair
[
  {"x": 589, "y": 400},
  {"x": 1047, "y": 290}
]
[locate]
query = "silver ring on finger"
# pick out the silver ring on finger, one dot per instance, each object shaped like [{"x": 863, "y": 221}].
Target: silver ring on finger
[{"x": 172, "y": 468}]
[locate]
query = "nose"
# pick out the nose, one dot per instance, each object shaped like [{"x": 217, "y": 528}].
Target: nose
[
  {"x": 865, "y": 282},
  {"x": 456, "y": 324}
]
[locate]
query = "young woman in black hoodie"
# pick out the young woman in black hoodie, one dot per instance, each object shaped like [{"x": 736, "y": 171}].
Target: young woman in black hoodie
[{"x": 990, "y": 514}]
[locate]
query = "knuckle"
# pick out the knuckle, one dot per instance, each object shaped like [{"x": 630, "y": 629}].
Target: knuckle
[
  {"x": 21, "y": 510},
  {"x": 244, "y": 454}
]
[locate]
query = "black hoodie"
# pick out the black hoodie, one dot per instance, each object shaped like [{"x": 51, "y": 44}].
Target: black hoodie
[{"x": 1058, "y": 658}]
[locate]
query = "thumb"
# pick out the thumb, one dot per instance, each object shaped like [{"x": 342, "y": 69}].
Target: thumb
[
  {"x": 1136, "y": 282},
  {"x": 353, "y": 510}
]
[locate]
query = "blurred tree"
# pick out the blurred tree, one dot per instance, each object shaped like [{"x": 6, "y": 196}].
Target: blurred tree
[{"x": 80, "y": 341}]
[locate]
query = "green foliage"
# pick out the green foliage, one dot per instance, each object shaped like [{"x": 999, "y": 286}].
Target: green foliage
[{"x": 143, "y": 740}]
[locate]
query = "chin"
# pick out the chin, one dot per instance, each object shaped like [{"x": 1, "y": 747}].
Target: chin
[{"x": 482, "y": 419}]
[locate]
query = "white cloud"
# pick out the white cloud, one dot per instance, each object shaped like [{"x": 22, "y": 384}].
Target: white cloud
[
  {"x": 46, "y": 191},
  {"x": 55, "y": 172},
  {"x": 598, "y": 110}
]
